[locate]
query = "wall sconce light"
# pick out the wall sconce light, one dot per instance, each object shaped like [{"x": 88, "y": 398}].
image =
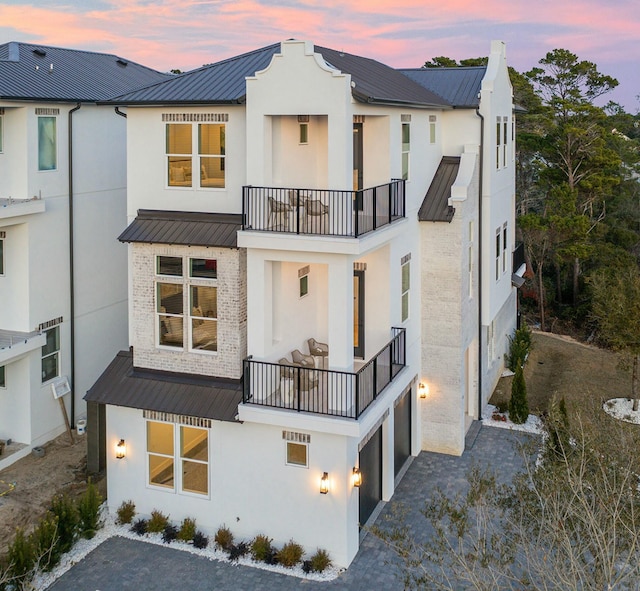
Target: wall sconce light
[
  {"x": 121, "y": 449},
  {"x": 324, "y": 483},
  {"x": 357, "y": 477},
  {"x": 423, "y": 390}
]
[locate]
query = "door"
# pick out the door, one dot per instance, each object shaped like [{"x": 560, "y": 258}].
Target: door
[
  {"x": 357, "y": 157},
  {"x": 370, "y": 491},
  {"x": 358, "y": 314},
  {"x": 402, "y": 432}
]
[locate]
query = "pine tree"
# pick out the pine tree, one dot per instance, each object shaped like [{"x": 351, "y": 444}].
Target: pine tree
[{"x": 518, "y": 406}]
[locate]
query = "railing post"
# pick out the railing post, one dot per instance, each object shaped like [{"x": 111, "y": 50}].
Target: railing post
[
  {"x": 356, "y": 213},
  {"x": 392, "y": 188},
  {"x": 299, "y": 397},
  {"x": 297, "y": 211},
  {"x": 356, "y": 377},
  {"x": 244, "y": 213}
]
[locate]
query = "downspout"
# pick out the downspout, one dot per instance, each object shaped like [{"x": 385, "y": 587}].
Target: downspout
[
  {"x": 119, "y": 112},
  {"x": 72, "y": 307},
  {"x": 480, "y": 175}
]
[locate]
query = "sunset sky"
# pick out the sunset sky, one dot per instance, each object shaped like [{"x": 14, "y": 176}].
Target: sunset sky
[{"x": 185, "y": 34}]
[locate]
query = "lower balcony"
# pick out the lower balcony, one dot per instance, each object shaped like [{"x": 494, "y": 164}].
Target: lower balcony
[
  {"x": 322, "y": 212},
  {"x": 324, "y": 391}
]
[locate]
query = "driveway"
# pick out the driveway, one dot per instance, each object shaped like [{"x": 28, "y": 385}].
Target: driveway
[{"x": 119, "y": 564}]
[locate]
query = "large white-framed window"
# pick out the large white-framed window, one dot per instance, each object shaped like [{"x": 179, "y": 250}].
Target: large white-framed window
[
  {"x": 406, "y": 150},
  {"x": 47, "y": 144},
  {"x": 405, "y": 286},
  {"x": 197, "y": 293},
  {"x": 196, "y": 155},
  {"x": 171, "y": 446},
  {"x": 51, "y": 355}
]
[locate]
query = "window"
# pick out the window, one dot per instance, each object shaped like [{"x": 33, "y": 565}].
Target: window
[
  {"x": 505, "y": 121},
  {"x": 47, "y": 143},
  {"x": 304, "y": 133},
  {"x": 504, "y": 248},
  {"x": 303, "y": 280},
  {"x": 432, "y": 129},
  {"x": 498, "y": 138},
  {"x": 406, "y": 148},
  {"x": 498, "y": 253},
  {"x": 470, "y": 265},
  {"x": 193, "y": 458},
  {"x": 50, "y": 355},
  {"x": 3, "y": 383},
  {"x": 210, "y": 150},
  {"x": 1, "y": 256},
  {"x": 202, "y": 303},
  {"x": 406, "y": 283},
  {"x": 297, "y": 454}
]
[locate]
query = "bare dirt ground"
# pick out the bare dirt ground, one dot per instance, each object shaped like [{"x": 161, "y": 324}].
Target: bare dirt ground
[
  {"x": 582, "y": 374},
  {"x": 37, "y": 480}
]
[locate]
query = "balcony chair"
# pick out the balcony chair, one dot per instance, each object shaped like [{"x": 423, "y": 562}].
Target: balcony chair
[
  {"x": 319, "y": 352},
  {"x": 278, "y": 215},
  {"x": 316, "y": 215},
  {"x": 302, "y": 360}
]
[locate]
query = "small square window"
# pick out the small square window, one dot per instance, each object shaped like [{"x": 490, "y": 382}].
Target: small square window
[
  {"x": 205, "y": 268},
  {"x": 304, "y": 285},
  {"x": 297, "y": 454},
  {"x": 169, "y": 266}
]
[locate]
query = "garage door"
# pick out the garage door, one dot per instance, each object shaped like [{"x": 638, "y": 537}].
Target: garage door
[
  {"x": 371, "y": 469},
  {"x": 402, "y": 432}
]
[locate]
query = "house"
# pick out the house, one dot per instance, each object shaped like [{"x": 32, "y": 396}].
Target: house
[
  {"x": 62, "y": 201},
  {"x": 315, "y": 240}
]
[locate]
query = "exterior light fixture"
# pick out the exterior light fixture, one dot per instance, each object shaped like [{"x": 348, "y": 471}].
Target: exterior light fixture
[
  {"x": 121, "y": 449},
  {"x": 423, "y": 390},
  {"x": 357, "y": 477},
  {"x": 324, "y": 483}
]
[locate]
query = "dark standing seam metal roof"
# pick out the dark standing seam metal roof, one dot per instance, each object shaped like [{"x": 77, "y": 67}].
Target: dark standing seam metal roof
[
  {"x": 186, "y": 228},
  {"x": 122, "y": 384},
  {"x": 435, "y": 207},
  {"x": 458, "y": 86},
  {"x": 224, "y": 82},
  {"x": 76, "y": 76}
]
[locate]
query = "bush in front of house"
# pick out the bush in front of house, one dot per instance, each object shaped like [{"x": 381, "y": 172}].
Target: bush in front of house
[
  {"x": 290, "y": 554},
  {"x": 170, "y": 533},
  {"x": 89, "y": 511},
  {"x": 520, "y": 344},
  {"x": 200, "y": 540},
  {"x": 139, "y": 527},
  {"x": 187, "y": 529},
  {"x": 262, "y": 549},
  {"x": 224, "y": 538},
  {"x": 21, "y": 560},
  {"x": 518, "y": 405},
  {"x": 238, "y": 550},
  {"x": 125, "y": 513},
  {"x": 66, "y": 512},
  {"x": 157, "y": 522}
]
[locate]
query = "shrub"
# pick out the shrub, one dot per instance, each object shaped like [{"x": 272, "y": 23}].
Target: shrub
[
  {"x": 320, "y": 561},
  {"x": 89, "y": 511},
  {"x": 67, "y": 513},
  {"x": 170, "y": 533},
  {"x": 518, "y": 406},
  {"x": 519, "y": 347},
  {"x": 200, "y": 540},
  {"x": 187, "y": 529},
  {"x": 557, "y": 426},
  {"x": 21, "y": 559},
  {"x": 126, "y": 512},
  {"x": 261, "y": 548},
  {"x": 139, "y": 527},
  {"x": 224, "y": 538},
  {"x": 306, "y": 566},
  {"x": 157, "y": 522},
  {"x": 44, "y": 542},
  {"x": 238, "y": 550},
  {"x": 290, "y": 554}
]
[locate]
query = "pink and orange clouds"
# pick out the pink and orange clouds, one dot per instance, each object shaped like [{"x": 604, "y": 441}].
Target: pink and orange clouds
[{"x": 185, "y": 34}]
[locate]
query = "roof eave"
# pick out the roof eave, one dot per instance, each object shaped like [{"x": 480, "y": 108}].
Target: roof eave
[
  {"x": 160, "y": 103},
  {"x": 398, "y": 103}
]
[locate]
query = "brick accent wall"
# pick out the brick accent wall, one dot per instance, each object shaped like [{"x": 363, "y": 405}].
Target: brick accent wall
[{"x": 232, "y": 312}]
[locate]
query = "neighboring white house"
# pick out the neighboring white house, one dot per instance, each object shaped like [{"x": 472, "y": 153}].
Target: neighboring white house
[
  {"x": 62, "y": 203},
  {"x": 295, "y": 193}
]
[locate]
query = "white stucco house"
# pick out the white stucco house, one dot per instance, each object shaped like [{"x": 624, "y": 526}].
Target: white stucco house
[
  {"x": 63, "y": 294},
  {"x": 291, "y": 196}
]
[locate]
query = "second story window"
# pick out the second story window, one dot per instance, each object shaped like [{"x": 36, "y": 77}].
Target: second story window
[
  {"x": 206, "y": 158},
  {"x": 47, "y": 143},
  {"x": 406, "y": 285},
  {"x": 50, "y": 355},
  {"x": 406, "y": 148}
]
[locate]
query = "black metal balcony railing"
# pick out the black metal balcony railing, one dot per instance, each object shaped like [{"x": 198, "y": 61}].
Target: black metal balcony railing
[
  {"x": 518, "y": 257},
  {"x": 322, "y": 391},
  {"x": 322, "y": 212}
]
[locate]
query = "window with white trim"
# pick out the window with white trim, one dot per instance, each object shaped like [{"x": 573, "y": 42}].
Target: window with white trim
[
  {"x": 51, "y": 354},
  {"x": 192, "y": 457},
  {"x": 197, "y": 147},
  {"x": 1, "y": 256},
  {"x": 498, "y": 138},
  {"x": 498, "y": 251},
  {"x": 47, "y": 144},
  {"x": 406, "y": 149},
  {"x": 505, "y": 123},
  {"x": 432, "y": 129},
  {"x": 296, "y": 448},
  {"x": 303, "y": 280},
  {"x": 304, "y": 133},
  {"x": 405, "y": 287},
  {"x": 3, "y": 383},
  {"x": 504, "y": 247},
  {"x": 197, "y": 293}
]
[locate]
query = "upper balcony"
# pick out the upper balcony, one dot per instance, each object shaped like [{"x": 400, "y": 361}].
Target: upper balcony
[
  {"x": 322, "y": 212},
  {"x": 10, "y": 207},
  {"x": 321, "y": 391},
  {"x": 14, "y": 344}
]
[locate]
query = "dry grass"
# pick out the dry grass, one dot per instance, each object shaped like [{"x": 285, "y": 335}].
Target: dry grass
[{"x": 583, "y": 374}]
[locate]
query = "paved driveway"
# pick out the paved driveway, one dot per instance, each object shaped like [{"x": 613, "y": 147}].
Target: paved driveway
[{"x": 122, "y": 564}]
